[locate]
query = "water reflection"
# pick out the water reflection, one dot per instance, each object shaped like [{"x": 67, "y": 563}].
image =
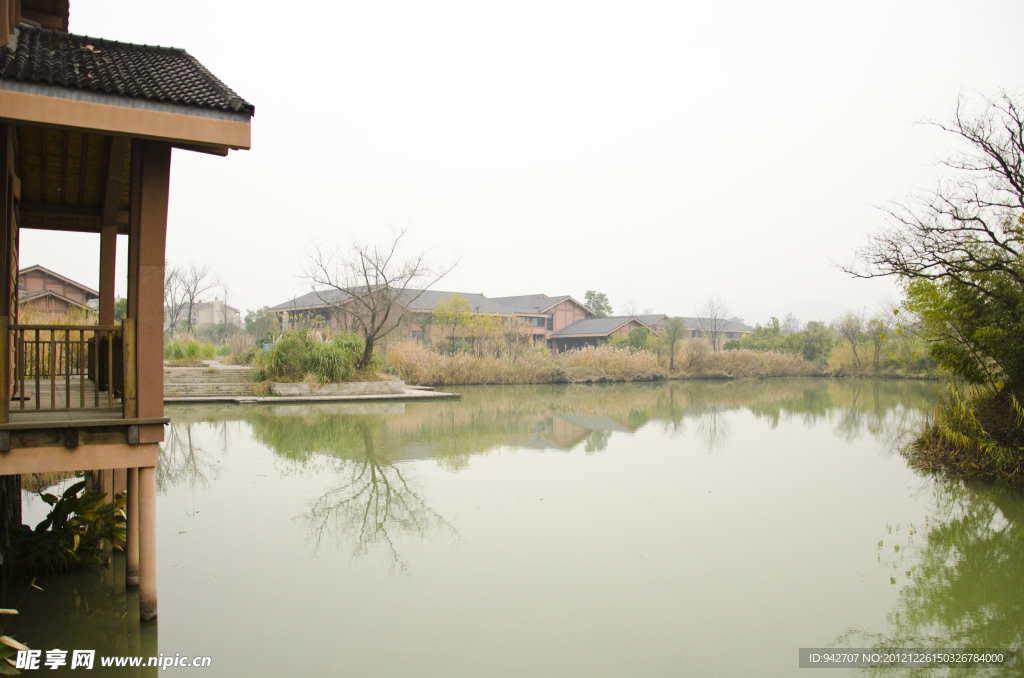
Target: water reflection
[
  {"x": 966, "y": 577},
  {"x": 182, "y": 459},
  {"x": 564, "y": 417},
  {"x": 364, "y": 444},
  {"x": 376, "y": 503},
  {"x": 83, "y": 610}
]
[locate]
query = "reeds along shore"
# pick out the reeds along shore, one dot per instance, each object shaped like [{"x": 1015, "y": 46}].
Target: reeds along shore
[{"x": 422, "y": 365}]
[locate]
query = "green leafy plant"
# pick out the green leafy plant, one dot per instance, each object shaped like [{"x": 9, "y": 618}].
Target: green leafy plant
[
  {"x": 8, "y": 649},
  {"x": 74, "y": 533},
  {"x": 302, "y": 353}
]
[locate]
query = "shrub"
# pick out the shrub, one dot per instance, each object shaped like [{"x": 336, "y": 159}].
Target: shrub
[
  {"x": 637, "y": 337},
  {"x": 301, "y": 352},
  {"x": 241, "y": 343},
  {"x": 223, "y": 350},
  {"x": 74, "y": 533}
]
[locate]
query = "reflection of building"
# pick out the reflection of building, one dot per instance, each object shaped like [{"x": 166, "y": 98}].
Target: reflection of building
[
  {"x": 42, "y": 290},
  {"x": 215, "y": 312}
]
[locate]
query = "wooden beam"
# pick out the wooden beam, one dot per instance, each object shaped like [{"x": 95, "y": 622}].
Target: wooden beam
[
  {"x": 81, "y": 168},
  {"x": 84, "y": 457},
  {"x": 39, "y": 209},
  {"x": 65, "y": 142},
  {"x": 117, "y": 149},
  {"x": 71, "y": 218},
  {"x": 88, "y": 116}
]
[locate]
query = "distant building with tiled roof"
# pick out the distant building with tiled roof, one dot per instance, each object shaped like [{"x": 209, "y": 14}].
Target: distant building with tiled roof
[
  {"x": 594, "y": 331},
  {"x": 43, "y": 290},
  {"x": 542, "y": 314}
]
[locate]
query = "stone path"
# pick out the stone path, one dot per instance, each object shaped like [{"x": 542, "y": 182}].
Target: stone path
[{"x": 220, "y": 383}]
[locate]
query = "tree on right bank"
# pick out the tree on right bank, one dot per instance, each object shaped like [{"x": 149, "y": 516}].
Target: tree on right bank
[{"x": 956, "y": 252}]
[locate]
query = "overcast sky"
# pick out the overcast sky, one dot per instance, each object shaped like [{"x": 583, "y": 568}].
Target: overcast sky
[{"x": 655, "y": 151}]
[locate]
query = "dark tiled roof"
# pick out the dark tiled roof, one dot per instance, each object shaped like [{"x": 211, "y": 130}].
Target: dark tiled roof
[
  {"x": 590, "y": 326},
  {"x": 313, "y": 300},
  {"x": 726, "y": 325},
  {"x": 651, "y": 319},
  {"x": 159, "y": 74},
  {"x": 427, "y": 299}
]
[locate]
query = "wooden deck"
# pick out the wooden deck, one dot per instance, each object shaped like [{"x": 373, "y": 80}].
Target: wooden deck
[{"x": 60, "y": 407}]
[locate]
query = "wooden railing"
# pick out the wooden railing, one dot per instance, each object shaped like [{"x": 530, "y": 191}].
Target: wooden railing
[{"x": 66, "y": 368}]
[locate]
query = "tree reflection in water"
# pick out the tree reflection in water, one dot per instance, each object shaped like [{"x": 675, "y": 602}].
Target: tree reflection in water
[
  {"x": 967, "y": 584},
  {"x": 366, "y": 444},
  {"x": 182, "y": 460},
  {"x": 375, "y": 505}
]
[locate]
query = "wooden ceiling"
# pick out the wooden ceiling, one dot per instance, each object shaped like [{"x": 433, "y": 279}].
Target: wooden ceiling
[{"x": 72, "y": 181}]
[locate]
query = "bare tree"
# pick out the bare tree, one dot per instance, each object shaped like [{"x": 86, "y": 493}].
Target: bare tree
[
  {"x": 194, "y": 282},
  {"x": 675, "y": 329},
  {"x": 962, "y": 229},
  {"x": 630, "y": 307},
  {"x": 791, "y": 324},
  {"x": 850, "y": 326},
  {"x": 224, "y": 307},
  {"x": 174, "y": 299},
  {"x": 712, "y": 319},
  {"x": 371, "y": 286}
]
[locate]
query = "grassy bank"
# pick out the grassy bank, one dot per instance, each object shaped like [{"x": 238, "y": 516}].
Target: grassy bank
[
  {"x": 423, "y": 365},
  {"x": 974, "y": 434}
]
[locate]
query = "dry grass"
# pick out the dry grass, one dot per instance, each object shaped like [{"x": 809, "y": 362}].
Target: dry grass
[
  {"x": 747, "y": 364},
  {"x": 418, "y": 364},
  {"x": 914, "y": 364},
  {"x": 31, "y": 316}
]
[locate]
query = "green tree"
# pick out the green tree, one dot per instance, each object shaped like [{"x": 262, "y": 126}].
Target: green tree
[
  {"x": 850, "y": 326},
  {"x": 957, "y": 252},
  {"x": 637, "y": 337},
  {"x": 598, "y": 303},
  {"x": 818, "y": 342},
  {"x": 452, "y": 313},
  {"x": 261, "y": 323},
  {"x": 120, "y": 309}
]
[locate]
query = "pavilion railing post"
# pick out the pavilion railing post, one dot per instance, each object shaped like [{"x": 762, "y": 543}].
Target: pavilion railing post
[
  {"x": 52, "y": 367},
  {"x": 110, "y": 369},
  {"x": 38, "y": 368},
  {"x": 5, "y": 367},
  {"x": 19, "y": 364},
  {"x": 129, "y": 397}
]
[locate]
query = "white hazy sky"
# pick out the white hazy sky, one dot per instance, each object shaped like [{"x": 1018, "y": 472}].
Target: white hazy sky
[{"x": 656, "y": 151}]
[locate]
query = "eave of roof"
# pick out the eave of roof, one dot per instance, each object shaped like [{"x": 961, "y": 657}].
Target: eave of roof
[
  {"x": 78, "y": 82},
  {"x": 79, "y": 285},
  {"x": 51, "y": 293}
]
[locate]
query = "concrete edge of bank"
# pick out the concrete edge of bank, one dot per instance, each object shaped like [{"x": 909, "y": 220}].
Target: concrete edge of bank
[{"x": 409, "y": 394}]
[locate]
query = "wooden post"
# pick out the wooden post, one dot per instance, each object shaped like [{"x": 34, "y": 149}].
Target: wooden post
[
  {"x": 130, "y": 397},
  {"x": 131, "y": 546},
  {"x": 147, "y": 542},
  {"x": 5, "y": 367},
  {"x": 151, "y": 162}
]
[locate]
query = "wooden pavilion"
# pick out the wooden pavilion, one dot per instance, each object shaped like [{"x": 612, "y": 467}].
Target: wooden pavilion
[{"x": 87, "y": 127}]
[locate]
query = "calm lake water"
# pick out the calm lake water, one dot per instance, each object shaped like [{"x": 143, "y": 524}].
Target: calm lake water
[{"x": 622, "y": 530}]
